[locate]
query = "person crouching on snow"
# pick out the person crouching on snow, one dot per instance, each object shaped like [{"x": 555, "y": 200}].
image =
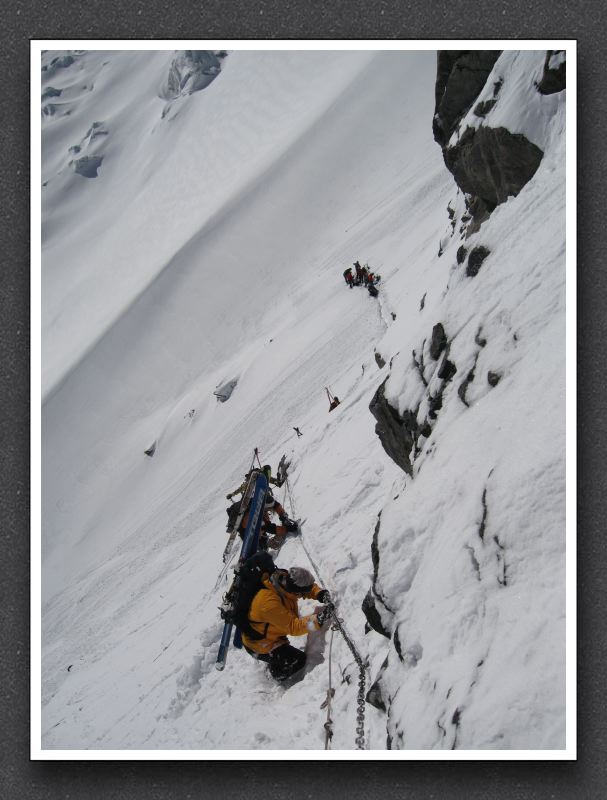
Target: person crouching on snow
[{"x": 274, "y": 615}]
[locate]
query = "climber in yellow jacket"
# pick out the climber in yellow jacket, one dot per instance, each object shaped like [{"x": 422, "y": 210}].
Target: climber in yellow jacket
[{"x": 274, "y": 615}]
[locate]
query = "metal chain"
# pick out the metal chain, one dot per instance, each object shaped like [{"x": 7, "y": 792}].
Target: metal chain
[
  {"x": 338, "y": 624},
  {"x": 360, "y": 700},
  {"x": 330, "y": 692}
]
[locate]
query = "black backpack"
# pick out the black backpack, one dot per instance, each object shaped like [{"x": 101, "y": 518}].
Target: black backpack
[{"x": 247, "y": 583}]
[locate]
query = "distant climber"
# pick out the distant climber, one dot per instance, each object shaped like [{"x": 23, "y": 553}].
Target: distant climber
[
  {"x": 274, "y": 615},
  {"x": 359, "y": 275},
  {"x": 298, "y": 432},
  {"x": 372, "y": 290},
  {"x": 272, "y": 535},
  {"x": 266, "y": 469},
  {"x": 333, "y": 399},
  {"x": 348, "y": 277}
]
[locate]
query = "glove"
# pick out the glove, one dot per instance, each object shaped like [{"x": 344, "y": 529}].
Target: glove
[
  {"x": 324, "y": 596},
  {"x": 228, "y": 496},
  {"x": 324, "y": 613}
]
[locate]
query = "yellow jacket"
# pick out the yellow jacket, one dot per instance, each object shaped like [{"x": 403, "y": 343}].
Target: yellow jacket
[{"x": 274, "y": 613}]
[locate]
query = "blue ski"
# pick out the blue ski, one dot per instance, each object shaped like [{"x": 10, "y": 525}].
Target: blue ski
[{"x": 249, "y": 547}]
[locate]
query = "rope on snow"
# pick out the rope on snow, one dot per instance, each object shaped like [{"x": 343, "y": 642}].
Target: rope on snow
[{"x": 338, "y": 625}]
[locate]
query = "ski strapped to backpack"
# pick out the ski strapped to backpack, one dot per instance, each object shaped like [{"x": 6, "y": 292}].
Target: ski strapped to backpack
[
  {"x": 249, "y": 547},
  {"x": 240, "y": 509}
]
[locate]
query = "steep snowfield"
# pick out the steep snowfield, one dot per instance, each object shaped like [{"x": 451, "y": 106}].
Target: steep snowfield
[{"x": 211, "y": 247}]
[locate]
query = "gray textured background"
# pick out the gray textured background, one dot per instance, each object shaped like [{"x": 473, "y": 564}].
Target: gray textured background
[{"x": 303, "y": 19}]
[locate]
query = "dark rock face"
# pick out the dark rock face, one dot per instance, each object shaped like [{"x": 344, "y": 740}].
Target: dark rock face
[
  {"x": 400, "y": 433},
  {"x": 374, "y": 695},
  {"x": 392, "y": 430},
  {"x": 463, "y": 387},
  {"x": 492, "y": 163},
  {"x": 488, "y": 164},
  {"x": 460, "y": 76},
  {"x": 369, "y": 607},
  {"x": 438, "y": 341},
  {"x": 62, "y": 62},
  {"x": 379, "y": 360},
  {"x": 475, "y": 260},
  {"x": 372, "y": 614},
  {"x": 375, "y": 699},
  {"x": 397, "y": 645},
  {"x": 87, "y": 166},
  {"x": 461, "y": 254},
  {"x": 482, "y": 109},
  {"x": 224, "y": 391},
  {"x": 191, "y": 71},
  {"x": 493, "y": 378},
  {"x": 553, "y": 78},
  {"x": 59, "y": 62},
  {"x": 375, "y": 548},
  {"x": 50, "y": 92},
  {"x": 446, "y": 372}
]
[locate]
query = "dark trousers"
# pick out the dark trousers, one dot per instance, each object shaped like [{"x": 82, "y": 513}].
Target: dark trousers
[{"x": 285, "y": 661}]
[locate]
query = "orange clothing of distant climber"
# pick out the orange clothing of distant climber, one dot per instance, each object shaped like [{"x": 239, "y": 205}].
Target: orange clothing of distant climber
[{"x": 274, "y": 614}]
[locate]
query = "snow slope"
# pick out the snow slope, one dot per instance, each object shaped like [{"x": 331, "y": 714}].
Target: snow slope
[{"x": 210, "y": 247}]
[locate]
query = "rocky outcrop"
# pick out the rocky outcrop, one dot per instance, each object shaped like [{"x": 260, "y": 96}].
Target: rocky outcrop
[
  {"x": 375, "y": 695},
  {"x": 224, "y": 390},
  {"x": 554, "y": 75},
  {"x": 50, "y": 91},
  {"x": 379, "y": 360},
  {"x": 400, "y": 433},
  {"x": 372, "y": 614},
  {"x": 428, "y": 376},
  {"x": 373, "y": 605},
  {"x": 393, "y": 430},
  {"x": 475, "y": 260},
  {"x": 191, "y": 71},
  {"x": 461, "y": 254},
  {"x": 460, "y": 76},
  {"x": 87, "y": 166},
  {"x": 492, "y": 164},
  {"x": 438, "y": 342},
  {"x": 90, "y": 146},
  {"x": 489, "y": 164},
  {"x": 59, "y": 62}
]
